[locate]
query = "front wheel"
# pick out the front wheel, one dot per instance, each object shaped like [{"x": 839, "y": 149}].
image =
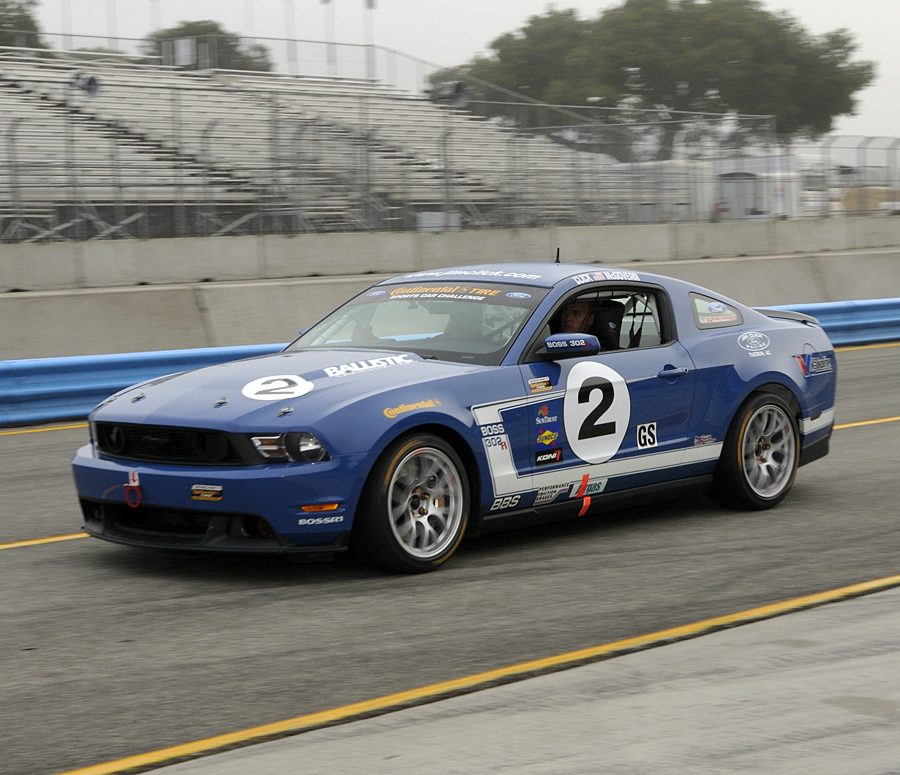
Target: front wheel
[
  {"x": 760, "y": 456},
  {"x": 414, "y": 508}
]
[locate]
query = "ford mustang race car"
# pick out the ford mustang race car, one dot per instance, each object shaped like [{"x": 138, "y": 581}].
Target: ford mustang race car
[{"x": 456, "y": 401}]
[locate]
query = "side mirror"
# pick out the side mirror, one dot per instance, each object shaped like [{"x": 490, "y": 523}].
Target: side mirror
[{"x": 557, "y": 346}]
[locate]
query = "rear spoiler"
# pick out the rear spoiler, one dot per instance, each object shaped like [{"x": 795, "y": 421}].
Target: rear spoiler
[{"x": 786, "y": 314}]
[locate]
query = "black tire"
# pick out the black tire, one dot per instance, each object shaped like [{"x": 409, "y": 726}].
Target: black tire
[
  {"x": 414, "y": 508},
  {"x": 760, "y": 455}
]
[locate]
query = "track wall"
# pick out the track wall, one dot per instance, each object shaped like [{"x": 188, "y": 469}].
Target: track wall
[{"x": 126, "y": 296}]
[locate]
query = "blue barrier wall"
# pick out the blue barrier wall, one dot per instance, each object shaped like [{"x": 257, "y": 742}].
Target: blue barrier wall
[
  {"x": 45, "y": 389},
  {"x": 856, "y": 322},
  {"x": 48, "y": 389}
]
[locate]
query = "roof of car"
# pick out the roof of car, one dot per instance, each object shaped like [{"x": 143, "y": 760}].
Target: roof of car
[{"x": 544, "y": 275}]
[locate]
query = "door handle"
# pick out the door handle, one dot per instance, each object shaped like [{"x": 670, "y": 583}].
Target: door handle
[{"x": 671, "y": 373}]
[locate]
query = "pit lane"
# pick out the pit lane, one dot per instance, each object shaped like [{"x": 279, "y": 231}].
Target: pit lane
[{"x": 111, "y": 652}]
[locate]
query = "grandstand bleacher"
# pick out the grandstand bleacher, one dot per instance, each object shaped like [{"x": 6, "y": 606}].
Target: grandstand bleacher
[
  {"x": 237, "y": 149},
  {"x": 156, "y": 151}
]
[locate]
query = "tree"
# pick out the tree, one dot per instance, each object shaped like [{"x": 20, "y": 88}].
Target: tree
[
  {"x": 684, "y": 55},
  {"x": 18, "y": 26},
  {"x": 224, "y": 49}
]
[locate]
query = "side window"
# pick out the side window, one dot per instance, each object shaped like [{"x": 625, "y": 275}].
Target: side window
[
  {"x": 621, "y": 318},
  {"x": 712, "y": 313},
  {"x": 643, "y": 325}
]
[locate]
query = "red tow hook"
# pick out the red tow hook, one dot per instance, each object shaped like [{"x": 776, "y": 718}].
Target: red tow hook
[{"x": 133, "y": 493}]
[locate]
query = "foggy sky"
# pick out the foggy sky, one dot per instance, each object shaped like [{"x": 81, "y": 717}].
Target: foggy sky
[{"x": 450, "y": 32}]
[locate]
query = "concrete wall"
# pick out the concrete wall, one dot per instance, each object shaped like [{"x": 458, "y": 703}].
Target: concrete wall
[
  {"x": 108, "y": 264},
  {"x": 90, "y": 321},
  {"x": 230, "y": 310}
]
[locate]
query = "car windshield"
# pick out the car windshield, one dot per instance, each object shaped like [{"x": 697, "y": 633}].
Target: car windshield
[{"x": 448, "y": 321}]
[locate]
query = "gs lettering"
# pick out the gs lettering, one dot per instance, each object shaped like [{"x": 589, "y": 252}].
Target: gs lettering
[{"x": 646, "y": 435}]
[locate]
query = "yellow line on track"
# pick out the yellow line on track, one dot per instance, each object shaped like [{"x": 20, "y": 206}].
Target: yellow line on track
[
  {"x": 40, "y": 541},
  {"x": 851, "y": 348},
  {"x": 23, "y": 431},
  {"x": 861, "y": 423},
  {"x": 477, "y": 681}
]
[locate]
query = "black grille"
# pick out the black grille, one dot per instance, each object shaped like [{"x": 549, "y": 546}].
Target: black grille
[
  {"x": 173, "y": 445},
  {"x": 174, "y": 528},
  {"x": 163, "y": 521}
]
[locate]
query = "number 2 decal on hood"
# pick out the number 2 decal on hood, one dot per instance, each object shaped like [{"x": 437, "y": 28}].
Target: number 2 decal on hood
[
  {"x": 277, "y": 387},
  {"x": 596, "y": 411}
]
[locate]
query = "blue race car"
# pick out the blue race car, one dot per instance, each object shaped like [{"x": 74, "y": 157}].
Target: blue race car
[{"x": 456, "y": 401}]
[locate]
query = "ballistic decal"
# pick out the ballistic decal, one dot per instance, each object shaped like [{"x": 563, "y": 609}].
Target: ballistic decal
[{"x": 356, "y": 367}]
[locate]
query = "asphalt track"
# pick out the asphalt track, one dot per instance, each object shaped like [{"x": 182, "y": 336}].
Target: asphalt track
[{"x": 109, "y": 652}]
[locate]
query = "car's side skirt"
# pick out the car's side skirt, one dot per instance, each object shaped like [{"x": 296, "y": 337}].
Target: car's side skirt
[{"x": 555, "y": 512}]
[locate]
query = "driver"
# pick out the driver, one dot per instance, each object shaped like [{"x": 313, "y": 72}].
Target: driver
[{"x": 576, "y": 317}]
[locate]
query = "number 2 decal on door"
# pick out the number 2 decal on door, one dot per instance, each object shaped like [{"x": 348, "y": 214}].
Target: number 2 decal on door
[{"x": 596, "y": 411}]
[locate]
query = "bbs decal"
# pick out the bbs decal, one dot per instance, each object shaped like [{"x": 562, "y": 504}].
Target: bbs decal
[
  {"x": 596, "y": 411},
  {"x": 507, "y": 502}
]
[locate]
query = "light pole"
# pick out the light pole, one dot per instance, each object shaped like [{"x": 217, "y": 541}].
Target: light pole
[
  {"x": 369, "y": 22},
  {"x": 292, "y": 43},
  {"x": 208, "y": 188},
  {"x": 330, "y": 57},
  {"x": 13, "y": 160},
  {"x": 248, "y": 17},
  {"x": 66, "y": 12},
  {"x": 112, "y": 41},
  {"x": 155, "y": 17},
  {"x": 448, "y": 188},
  {"x": 452, "y": 94}
]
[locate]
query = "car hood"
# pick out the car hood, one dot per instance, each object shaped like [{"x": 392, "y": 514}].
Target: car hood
[{"x": 275, "y": 391}]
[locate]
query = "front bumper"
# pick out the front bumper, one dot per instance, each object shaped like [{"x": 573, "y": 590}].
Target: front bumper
[{"x": 252, "y": 509}]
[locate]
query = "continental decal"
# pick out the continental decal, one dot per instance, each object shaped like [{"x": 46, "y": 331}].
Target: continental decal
[
  {"x": 393, "y": 411},
  {"x": 441, "y": 290}
]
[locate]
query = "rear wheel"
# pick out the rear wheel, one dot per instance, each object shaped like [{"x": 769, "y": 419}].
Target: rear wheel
[
  {"x": 414, "y": 508},
  {"x": 760, "y": 456}
]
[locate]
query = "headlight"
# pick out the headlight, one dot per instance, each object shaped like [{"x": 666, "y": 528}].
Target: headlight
[
  {"x": 306, "y": 447},
  {"x": 300, "y": 447}
]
